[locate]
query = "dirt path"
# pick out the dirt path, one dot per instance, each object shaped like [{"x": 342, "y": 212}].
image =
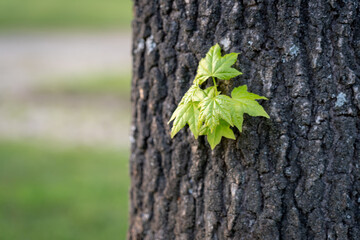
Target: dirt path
[{"x": 27, "y": 59}]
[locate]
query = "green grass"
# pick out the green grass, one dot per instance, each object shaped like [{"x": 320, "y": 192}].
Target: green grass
[
  {"x": 65, "y": 13},
  {"x": 95, "y": 84},
  {"x": 62, "y": 193}
]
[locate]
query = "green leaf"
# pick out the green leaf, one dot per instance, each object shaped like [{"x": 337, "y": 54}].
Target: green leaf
[
  {"x": 221, "y": 130},
  {"x": 237, "y": 117},
  {"x": 211, "y": 92},
  {"x": 212, "y": 109},
  {"x": 194, "y": 94},
  {"x": 207, "y": 112},
  {"x": 186, "y": 113},
  {"x": 214, "y": 65},
  {"x": 244, "y": 102},
  {"x": 241, "y": 92}
]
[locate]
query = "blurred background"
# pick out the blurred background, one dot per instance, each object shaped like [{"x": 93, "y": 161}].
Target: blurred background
[{"x": 64, "y": 119}]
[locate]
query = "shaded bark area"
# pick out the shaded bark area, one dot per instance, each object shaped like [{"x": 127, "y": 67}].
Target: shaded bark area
[{"x": 294, "y": 176}]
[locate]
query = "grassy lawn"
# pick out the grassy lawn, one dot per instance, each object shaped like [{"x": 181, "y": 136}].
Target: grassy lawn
[
  {"x": 118, "y": 84},
  {"x": 48, "y": 191},
  {"x": 65, "y": 13}
]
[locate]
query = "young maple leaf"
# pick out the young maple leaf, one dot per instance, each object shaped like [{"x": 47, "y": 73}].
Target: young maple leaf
[
  {"x": 207, "y": 112},
  {"x": 214, "y": 108},
  {"x": 186, "y": 113},
  {"x": 214, "y": 65},
  {"x": 195, "y": 94},
  {"x": 244, "y": 102},
  {"x": 221, "y": 130},
  {"x": 237, "y": 117}
]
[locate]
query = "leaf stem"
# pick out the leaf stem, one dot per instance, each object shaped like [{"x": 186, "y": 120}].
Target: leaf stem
[{"x": 215, "y": 85}]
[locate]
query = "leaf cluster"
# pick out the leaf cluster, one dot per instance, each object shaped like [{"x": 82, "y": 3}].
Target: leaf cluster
[{"x": 207, "y": 111}]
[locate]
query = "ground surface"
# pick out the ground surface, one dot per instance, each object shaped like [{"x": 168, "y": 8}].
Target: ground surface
[
  {"x": 64, "y": 135},
  {"x": 64, "y": 119},
  {"x": 47, "y": 88}
]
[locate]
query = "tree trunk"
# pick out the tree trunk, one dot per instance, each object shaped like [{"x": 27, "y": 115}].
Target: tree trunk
[{"x": 293, "y": 176}]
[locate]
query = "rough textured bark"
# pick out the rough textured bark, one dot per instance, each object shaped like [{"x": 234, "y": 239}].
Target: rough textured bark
[{"x": 295, "y": 176}]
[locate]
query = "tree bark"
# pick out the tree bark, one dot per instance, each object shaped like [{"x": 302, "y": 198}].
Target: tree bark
[{"x": 293, "y": 176}]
